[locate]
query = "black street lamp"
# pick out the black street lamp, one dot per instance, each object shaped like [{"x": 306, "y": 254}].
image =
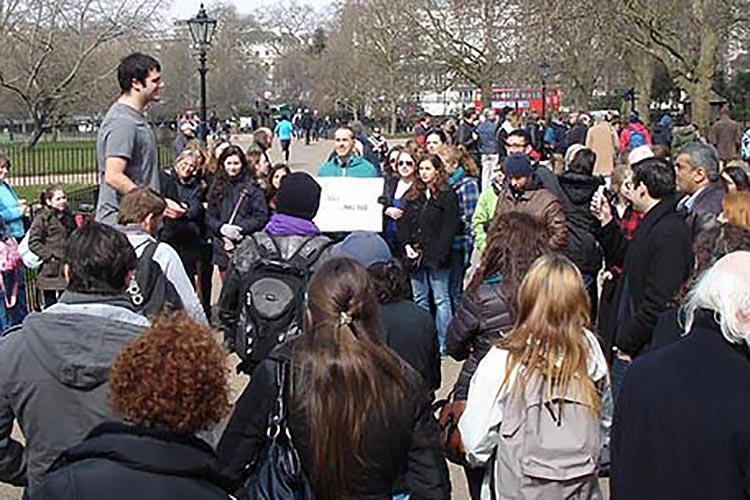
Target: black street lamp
[
  {"x": 202, "y": 30},
  {"x": 544, "y": 70}
]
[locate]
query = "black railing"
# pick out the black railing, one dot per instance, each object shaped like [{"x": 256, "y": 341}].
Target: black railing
[
  {"x": 82, "y": 202},
  {"x": 64, "y": 163}
]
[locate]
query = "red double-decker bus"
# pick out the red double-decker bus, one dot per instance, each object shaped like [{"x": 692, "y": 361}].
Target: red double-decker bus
[{"x": 521, "y": 99}]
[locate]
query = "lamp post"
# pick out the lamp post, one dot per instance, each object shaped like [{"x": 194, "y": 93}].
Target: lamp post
[
  {"x": 202, "y": 30},
  {"x": 544, "y": 70}
]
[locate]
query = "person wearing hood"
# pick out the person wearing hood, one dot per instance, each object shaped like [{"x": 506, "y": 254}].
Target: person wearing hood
[
  {"x": 662, "y": 133},
  {"x": 156, "y": 454},
  {"x": 524, "y": 192},
  {"x": 578, "y": 186},
  {"x": 290, "y": 228},
  {"x": 54, "y": 368},
  {"x": 139, "y": 218},
  {"x": 635, "y": 134}
]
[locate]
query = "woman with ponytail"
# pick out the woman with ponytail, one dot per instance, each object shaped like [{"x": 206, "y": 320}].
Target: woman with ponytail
[{"x": 359, "y": 417}]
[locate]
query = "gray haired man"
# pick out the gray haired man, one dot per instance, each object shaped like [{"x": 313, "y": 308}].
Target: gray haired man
[{"x": 697, "y": 168}]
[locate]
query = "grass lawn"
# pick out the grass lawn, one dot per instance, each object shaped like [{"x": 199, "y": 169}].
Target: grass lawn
[
  {"x": 61, "y": 157},
  {"x": 31, "y": 193}
]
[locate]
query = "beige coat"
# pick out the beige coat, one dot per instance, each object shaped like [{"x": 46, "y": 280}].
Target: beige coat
[{"x": 602, "y": 139}]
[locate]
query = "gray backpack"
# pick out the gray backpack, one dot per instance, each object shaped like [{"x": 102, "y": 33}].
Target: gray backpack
[{"x": 548, "y": 445}]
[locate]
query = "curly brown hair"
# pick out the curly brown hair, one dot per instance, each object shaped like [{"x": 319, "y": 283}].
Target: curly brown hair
[{"x": 173, "y": 375}]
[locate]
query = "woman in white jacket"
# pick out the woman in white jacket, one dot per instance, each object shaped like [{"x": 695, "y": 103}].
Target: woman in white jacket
[{"x": 539, "y": 407}]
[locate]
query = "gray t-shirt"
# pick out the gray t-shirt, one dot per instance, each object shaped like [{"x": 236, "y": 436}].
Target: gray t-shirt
[{"x": 125, "y": 134}]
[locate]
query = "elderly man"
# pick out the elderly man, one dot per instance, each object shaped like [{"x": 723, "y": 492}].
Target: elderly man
[
  {"x": 345, "y": 162},
  {"x": 680, "y": 428},
  {"x": 697, "y": 168}
]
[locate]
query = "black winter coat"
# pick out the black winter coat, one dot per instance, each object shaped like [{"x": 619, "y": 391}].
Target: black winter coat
[
  {"x": 429, "y": 225},
  {"x": 583, "y": 249},
  {"x": 122, "y": 462},
  {"x": 187, "y": 234},
  {"x": 656, "y": 262},
  {"x": 680, "y": 429},
  {"x": 410, "y": 332},
  {"x": 251, "y": 216},
  {"x": 482, "y": 318},
  {"x": 576, "y": 135},
  {"x": 706, "y": 207},
  {"x": 407, "y": 441}
]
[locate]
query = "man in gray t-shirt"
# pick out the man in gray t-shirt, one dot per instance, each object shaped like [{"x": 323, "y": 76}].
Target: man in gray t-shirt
[{"x": 125, "y": 146}]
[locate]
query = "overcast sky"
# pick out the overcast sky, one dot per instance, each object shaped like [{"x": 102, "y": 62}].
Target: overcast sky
[{"x": 184, "y": 9}]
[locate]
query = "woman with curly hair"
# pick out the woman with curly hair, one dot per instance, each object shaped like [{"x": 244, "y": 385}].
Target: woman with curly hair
[
  {"x": 167, "y": 385},
  {"x": 359, "y": 417}
]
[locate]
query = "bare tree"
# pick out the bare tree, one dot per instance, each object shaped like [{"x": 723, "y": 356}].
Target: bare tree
[
  {"x": 472, "y": 39},
  {"x": 53, "y": 49}
]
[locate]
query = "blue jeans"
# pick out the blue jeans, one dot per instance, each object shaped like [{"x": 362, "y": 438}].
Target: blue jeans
[
  {"x": 619, "y": 369},
  {"x": 424, "y": 280},
  {"x": 15, "y": 315},
  {"x": 456, "y": 282}
]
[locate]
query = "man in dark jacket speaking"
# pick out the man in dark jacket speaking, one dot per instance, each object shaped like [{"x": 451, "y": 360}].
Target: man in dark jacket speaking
[
  {"x": 656, "y": 262},
  {"x": 54, "y": 368}
]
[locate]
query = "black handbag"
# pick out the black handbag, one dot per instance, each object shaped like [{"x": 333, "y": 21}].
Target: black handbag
[{"x": 277, "y": 473}]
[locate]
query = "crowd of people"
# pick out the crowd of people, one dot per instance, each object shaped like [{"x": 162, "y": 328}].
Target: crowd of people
[{"x": 587, "y": 278}]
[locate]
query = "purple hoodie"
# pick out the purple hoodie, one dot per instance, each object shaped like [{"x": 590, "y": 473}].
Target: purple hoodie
[{"x": 287, "y": 225}]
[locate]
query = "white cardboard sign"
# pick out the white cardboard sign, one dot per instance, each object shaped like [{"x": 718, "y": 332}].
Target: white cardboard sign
[{"x": 350, "y": 204}]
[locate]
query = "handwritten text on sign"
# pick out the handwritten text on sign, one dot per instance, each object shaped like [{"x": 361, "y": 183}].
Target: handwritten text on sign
[{"x": 350, "y": 204}]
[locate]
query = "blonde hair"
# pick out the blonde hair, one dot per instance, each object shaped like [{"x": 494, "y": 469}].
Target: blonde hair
[
  {"x": 549, "y": 336},
  {"x": 736, "y": 207}
]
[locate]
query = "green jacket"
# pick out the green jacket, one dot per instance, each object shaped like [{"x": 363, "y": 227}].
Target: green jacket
[
  {"x": 356, "y": 167},
  {"x": 483, "y": 215}
]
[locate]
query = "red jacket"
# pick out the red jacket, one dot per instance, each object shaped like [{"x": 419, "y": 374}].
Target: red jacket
[{"x": 625, "y": 134}]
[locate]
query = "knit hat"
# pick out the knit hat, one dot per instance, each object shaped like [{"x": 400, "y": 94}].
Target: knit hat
[
  {"x": 298, "y": 196},
  {"x": 365, "y": 247},
  {"x": 517, "y": 165}
]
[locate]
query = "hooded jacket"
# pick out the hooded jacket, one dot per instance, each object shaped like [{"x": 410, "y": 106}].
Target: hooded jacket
[
  {"x": 122, "y": 462},
  {"x": 356, "y": 166},
  {"x": 53, "y": 379},
  {"x": 583, "y": 249}
]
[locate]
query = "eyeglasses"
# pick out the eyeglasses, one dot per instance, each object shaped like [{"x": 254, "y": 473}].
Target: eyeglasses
[
  {"x": 515, "y": 145},
  {"x": 404, "y": 163},
  {"x": 393, "y": 160}
]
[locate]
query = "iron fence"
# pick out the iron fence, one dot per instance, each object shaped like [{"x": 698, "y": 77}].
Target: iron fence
[{"x": 72, "y": 163}]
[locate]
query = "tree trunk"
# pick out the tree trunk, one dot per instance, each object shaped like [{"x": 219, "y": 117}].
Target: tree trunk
[
  {"x": 393, "y": 119},
  {"x": 36, "y": 133},
  {"x": 644, "y": 79},
  {"x": 705, "y": 73}
]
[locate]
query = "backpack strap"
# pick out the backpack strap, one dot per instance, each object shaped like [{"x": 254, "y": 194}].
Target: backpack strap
[
  {"x": 266, "y": 246},
  {"x": 150, "y": 250},
  {"x": 309, "y": 251}
]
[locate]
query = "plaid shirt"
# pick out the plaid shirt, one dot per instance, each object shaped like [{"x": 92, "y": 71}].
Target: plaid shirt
[{"x": 467, "y": 192}]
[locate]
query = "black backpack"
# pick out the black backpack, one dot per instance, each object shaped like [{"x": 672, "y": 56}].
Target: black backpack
[
  {"x": 150, "y": 291},
  {"x": 272, "y": 297}
]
